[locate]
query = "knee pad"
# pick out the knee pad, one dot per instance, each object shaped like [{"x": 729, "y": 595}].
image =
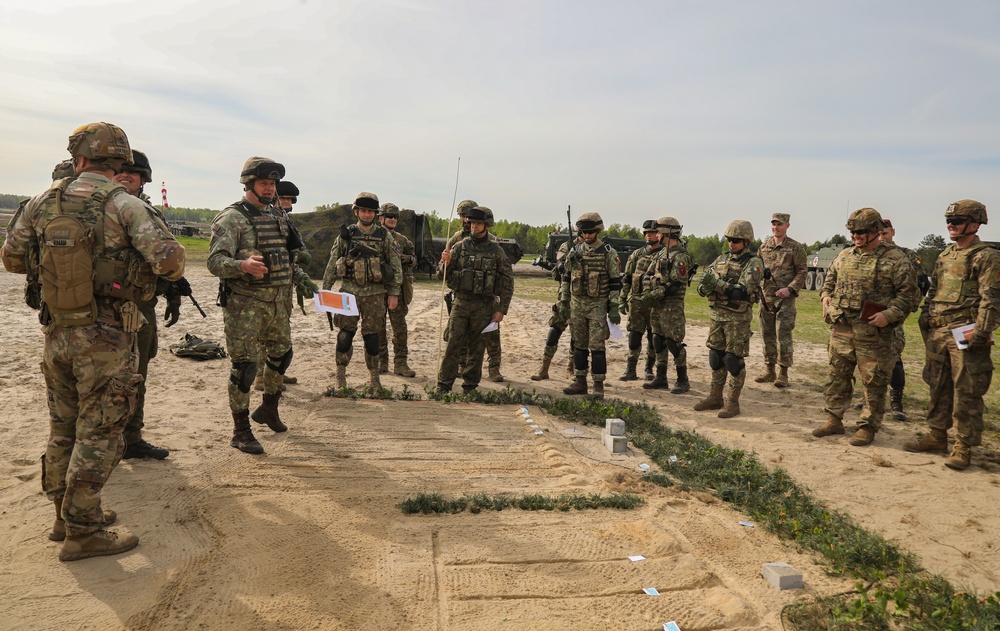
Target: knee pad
[
  {"x": 372, "y": 346},
  {"x": 554, "y": 334},
  {"x": 734, "y": 364},
  {"x": 635, "y": 340},
  {"x": 344, "y": 340},
  {"x": 898, "y": 379},
  {"x": 599, "y": 362},
  {"x": 243, "y": 374},
  {"x": 280, "y": 364},
  {"x": 658, "y": 343},
  {"x": 715, "y": 361},
  {"x": 673, "y": 346},
  {"x": 580, "y": 358}
]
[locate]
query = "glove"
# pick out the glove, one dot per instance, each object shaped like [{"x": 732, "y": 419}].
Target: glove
[
  {"x": 302, "y": 257},
  {"x": 306, "y": 287},
  {"x": 173, "y": 310},
  {"x": 623, "y": 308},
  {"x": 709, "y": 282},
  {"x": 979, "y": 342},
  {"x": 614, "y": 316},
  {"x": 672, "y": 289},
  {"x": 182, "y": 287},
  {"x": 738, "y": 293}
]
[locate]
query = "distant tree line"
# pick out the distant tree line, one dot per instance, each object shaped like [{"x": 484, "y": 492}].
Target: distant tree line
[
  {"x": 11, "y": 201},
  {"x": 191, "y": 215}
]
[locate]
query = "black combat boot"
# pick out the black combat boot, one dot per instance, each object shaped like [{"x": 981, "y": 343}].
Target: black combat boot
[
  {"x": 650, "y": 362},
  {"x": 267, "y": 413},
  {"x": 660, "y": 381},
  {"x": 579, "y": 386},
  {"x": 681, "y": 385},
  {"x": 243, "y": 438},
  {"x": 630, "y": 366},
  {"x": 141, "y": 449}
]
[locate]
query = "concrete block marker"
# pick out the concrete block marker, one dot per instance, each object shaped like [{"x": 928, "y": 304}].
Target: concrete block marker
[
  {"x": 782, "y": 576},
  {"x": 614, "y": 426},
  {"x": 615, "y": 444}
]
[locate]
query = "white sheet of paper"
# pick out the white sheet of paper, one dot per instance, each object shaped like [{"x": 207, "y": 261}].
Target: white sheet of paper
[
  {"x": 336, "y": 302},
  {"x": 637, "y": 557},
  {"x": 671, "y": 626},
  {"x": 492, "y": 326},
  {"x": 960, "y": 333},
  {"x": 616, "y": 330}
]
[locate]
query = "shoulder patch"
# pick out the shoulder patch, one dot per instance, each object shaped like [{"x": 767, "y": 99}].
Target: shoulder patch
[{"x": 217, "y": 229}]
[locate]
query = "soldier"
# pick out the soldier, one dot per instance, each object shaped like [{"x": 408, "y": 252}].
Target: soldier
[
  {"x": 898, "y": 380},
  {"x": 250, "y": 252},
  {"x": 869, "y": 290},
  {"x": 557, "y": 322},
  {"x": 397, "y": 317},
  {"x": 493, "y": 337},
  {"x": 133, "y": 177},
  {"x": 97, "y": 251},
  {"x": 786, "y": 259},
  {"x": 589, "y": 295},
  {"x": 732, "y": 285},
  {"x": 965, "y": 289},
  {"x": 479, "y": 273},
  {"x": 364, "y": 258},
  {"x": 636, "y": 279},
  {"x": 673, "y": 270}
]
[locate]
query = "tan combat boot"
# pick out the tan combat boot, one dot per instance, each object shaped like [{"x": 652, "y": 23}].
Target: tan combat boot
[
  {"x": 936, "y": 440},
  {"x": 767, "y": 377},
  {"x": 101, "y": 543},
  {"x": 401, "y": 368},
  {"x": 383, "y": 364},
  {"x": 59, "y": 526},
  {"x": 579, "y": 386},
  {"x": 732, "y": 404},
  {"x": 286, "y": 379},
  {"x": 495, "y": 375},
  {"x": 714, "y": 399},
  {"x": 781, "y": 381},
  {"x": 830, "y": 427},
  {"x": 543, "y": 374},
  {"x": 864, "y": 436},
  {"x": 341, "y": 376},
  {"x": 960, "y": 458}
]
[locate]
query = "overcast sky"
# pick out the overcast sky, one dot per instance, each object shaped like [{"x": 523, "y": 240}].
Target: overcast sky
[{"x": 707, "y": 111}]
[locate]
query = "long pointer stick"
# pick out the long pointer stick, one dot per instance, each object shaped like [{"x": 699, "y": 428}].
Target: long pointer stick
[{"x": 444, "y": 276}]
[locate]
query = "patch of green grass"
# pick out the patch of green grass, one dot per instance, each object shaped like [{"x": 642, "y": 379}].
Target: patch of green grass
[
  {"x": 195, "y": 249},
  {"x": 427, "y": 503},
  {"x": 368, "y": 392}
]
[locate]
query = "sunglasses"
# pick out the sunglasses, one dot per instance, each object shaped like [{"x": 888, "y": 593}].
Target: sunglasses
[
  {"x": 733, "y": 239},
  {"x": 956, "y": 221},
  {"x": 391, "y": 216},
  {"x": 857, "y": 232},
  {"x": 589, "y": 231}
]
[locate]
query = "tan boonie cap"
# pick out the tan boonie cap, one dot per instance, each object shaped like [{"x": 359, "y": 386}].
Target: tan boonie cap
[{"x": 780, "y": 217}]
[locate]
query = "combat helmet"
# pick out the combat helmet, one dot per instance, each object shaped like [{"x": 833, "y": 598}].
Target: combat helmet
[
  {"x": 389, "y": 208},
  {"x": 465, "y": 206},
  {"x": 672, "y": 228},
  {"x": 365, "y": 200},
  {"x": 140, "y": 165},
  {"x": 63, "y": 169},
  {"x": 740, "y": 229},
  {"x": 101, "y": 142},
  {"x": 589, "y": 222},
  {"x": 287, "y": 189},
  {"x": 259, "y": 168},
  {"x": 480, "y": 213},
  {"x": 865, "y": 219},
  {"x": 970, "y": 208}
]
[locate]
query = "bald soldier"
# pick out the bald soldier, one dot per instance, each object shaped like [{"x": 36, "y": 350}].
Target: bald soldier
[{"x": 786, "y": 259}]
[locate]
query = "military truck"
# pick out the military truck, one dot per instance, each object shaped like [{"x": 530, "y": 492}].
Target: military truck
[
  {"x": 432, "y": 254},
  {"x": 818, "y": 263},
  {"x": 547, "y": 259}
]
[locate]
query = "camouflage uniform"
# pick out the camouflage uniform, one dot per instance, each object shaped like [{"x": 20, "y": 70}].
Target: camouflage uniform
[
  {"x": 91, "y": 370},
  {"x": 636, "y": 278},
  {"x": 787, "y": 263},
  {"x": 256, "y": 312},
  {"x": 367, "y": 262},
  {"x": 673, "y": 268},
  {"x": 397, "y": 317},
  {"x": 557, "y": 321},
  {"x": 483, "y": 281},
  {"x": 965, "y": 289},
  {"x": 732, "y": 285},
  {"x": 880, "y": 280},
  {"x": 590, "y": 289},
  {"x": 493, "y": 337}
]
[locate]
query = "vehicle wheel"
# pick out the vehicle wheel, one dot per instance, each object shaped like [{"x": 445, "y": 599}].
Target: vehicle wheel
[
  {"x": 820, "y": 279},
  {"x": 810, "y": 281}
]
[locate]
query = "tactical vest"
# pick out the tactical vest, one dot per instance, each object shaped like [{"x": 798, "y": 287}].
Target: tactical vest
[
  {"x": 272, "y": 242},
  {"x": 858, "y": 282},
  {"x": 643, "y": 276},
  {"x": 665, "y": 272},
  {"x": 75, "y": 267},
  {"x": 364, "y": 256},
  {"x": 589, "y": 271},
  {"x": 478, "y": 272},
  {"x": 730, "y": 269},
  {"x": 957, "y": 292}
]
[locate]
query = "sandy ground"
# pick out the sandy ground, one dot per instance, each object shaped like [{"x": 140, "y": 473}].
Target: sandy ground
[{"x": 308, "y": 536}]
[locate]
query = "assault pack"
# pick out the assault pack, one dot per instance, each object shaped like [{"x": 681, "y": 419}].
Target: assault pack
[{"x": 197, "y": 348}]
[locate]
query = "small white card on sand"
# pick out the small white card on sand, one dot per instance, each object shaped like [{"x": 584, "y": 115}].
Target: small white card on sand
[
  {"x": 650, "y": 591},
  {"x": 637, "y": 557}
]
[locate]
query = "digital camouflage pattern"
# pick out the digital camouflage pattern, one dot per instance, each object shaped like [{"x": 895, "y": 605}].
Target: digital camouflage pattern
[
  {"x": 91, "y": 371},
  {"x": 391, "y": 269},
  {"x": 965, "y": 289},
  {"x": 787, "y": 263},
  {"x": 397, "y": 317},
  {"x": 474, "y": 307},
  {"x": 668, "y": 319},
  {"x": 636, "y": 279},
  {"x": 884, "y": 276},
  {"x": 493, "y": 348},
  {"x": 591, "y": 287}
]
